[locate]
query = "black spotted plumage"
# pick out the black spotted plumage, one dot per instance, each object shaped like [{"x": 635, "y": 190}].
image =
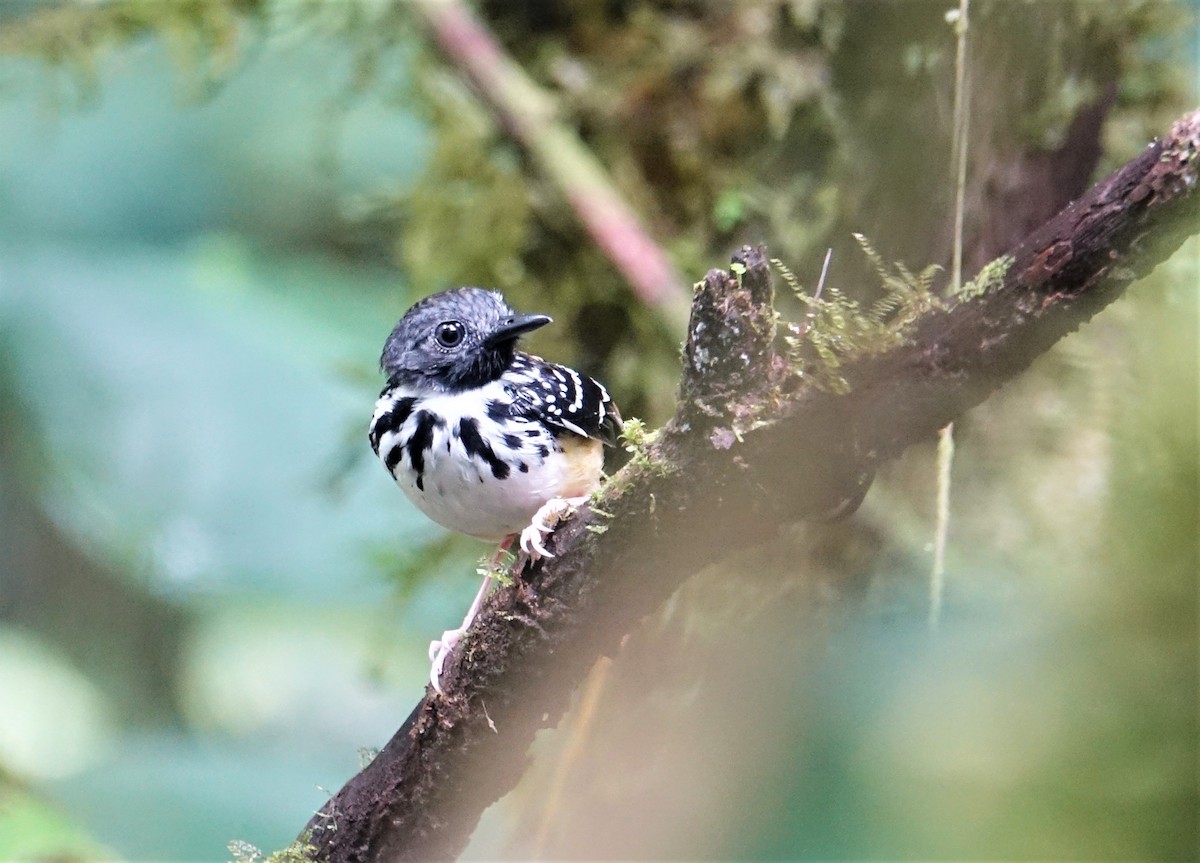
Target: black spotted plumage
[
  {"x": 475, "y": 445},
  {"x": 419, "y": 443},
  {"x": 391, "y": 420}
]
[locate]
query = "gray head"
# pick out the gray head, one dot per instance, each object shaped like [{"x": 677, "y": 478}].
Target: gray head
[{"x": 455, "y": 340}]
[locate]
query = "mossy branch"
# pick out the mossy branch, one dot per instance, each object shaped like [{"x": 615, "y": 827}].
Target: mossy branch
[{"x": 752, "y": 447}]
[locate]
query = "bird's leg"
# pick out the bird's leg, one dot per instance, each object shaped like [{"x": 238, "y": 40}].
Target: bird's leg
[
  {"x": 440, "y": 649},
  {"x": 544, "y": 521}
]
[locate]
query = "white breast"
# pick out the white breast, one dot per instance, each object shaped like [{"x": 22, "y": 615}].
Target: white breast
[{"x": 460, "y": 489}]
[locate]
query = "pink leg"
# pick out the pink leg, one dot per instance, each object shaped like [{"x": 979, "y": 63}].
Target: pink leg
[{"x": 440, "y": 649}]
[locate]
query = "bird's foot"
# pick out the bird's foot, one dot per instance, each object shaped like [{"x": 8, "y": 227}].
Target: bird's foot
[
  {"x": 439, "y": 651},
  {"x": 544, "y": 521}
]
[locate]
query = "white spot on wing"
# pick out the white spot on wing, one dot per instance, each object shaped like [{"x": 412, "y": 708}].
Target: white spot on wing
[
  {"x": 570, "y": 426},
  {"x": 578, "y": 402}
]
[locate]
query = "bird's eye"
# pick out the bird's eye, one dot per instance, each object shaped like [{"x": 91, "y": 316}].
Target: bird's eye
[{"x": 449, "y": 334}]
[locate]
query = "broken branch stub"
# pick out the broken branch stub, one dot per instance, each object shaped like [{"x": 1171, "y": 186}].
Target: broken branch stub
[{"x": 729, "y": 354}]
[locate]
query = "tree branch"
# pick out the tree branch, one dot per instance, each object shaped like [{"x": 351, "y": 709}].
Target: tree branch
[{"x": 751, "y": 448}]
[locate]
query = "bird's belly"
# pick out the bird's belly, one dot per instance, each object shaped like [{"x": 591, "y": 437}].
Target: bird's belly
[
  {"x": 462, "y": 494},
  {"x": 474, "y": 477},
  {"x": 474, "y": 472}
]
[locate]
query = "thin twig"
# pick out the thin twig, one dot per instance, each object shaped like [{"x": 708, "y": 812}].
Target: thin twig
[
  {"x": 529, "y": 115},
  {"x": 959, "y": 145},
  {"x": 824, "y": 273},
  {"x": 937, "y": 579},
  {"x": 945, "y": 461},
  {"x": 802, "y": 329}
]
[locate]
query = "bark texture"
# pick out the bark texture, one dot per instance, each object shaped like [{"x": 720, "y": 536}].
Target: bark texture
[{"x": 751, "y": 448}]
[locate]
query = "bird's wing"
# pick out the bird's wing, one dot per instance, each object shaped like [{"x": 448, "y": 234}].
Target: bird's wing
[{"x": 565, "y": 399}]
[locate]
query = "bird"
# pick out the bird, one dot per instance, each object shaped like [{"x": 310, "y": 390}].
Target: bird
[{"x": 484, "y": 439}]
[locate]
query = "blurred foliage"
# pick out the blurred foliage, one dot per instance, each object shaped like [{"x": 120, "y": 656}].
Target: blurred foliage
[
  {"x": 194, "y": 603},
  {"x": 31, "y": 830},
  {"x": 757, "y": 121},
  {"x": 210, "y": 598}
]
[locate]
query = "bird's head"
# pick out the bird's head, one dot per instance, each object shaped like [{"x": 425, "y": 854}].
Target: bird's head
[{"x": 458, "y": 339}]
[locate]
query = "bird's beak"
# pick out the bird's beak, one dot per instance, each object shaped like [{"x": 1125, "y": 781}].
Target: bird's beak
[{"x": 515, "y": 326}]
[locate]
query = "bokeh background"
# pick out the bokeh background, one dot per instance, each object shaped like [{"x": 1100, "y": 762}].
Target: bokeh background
[{"x": 213, "y": 604}]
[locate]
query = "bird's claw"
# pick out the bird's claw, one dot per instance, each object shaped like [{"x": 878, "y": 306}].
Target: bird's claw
[
  {"x": 533, "y": 538},
  {"x": 439, "y": 651}
]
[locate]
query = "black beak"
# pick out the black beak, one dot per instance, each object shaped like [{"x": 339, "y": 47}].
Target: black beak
[{"x": 515, "y": 326}]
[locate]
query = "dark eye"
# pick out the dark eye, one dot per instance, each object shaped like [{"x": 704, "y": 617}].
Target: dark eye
[{"x": 449, "y": 334}]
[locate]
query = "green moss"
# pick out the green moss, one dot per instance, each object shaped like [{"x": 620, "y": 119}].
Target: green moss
[
  {"x": 637, "y": 443},
  {"x": 987, "y": 280},
  {"x": 838, "y": 328},
  {"x": 497, "y": 566},
  {"x": 636, "y": 438},
  {"x": 906, "y": 296},
  {"x": 300, "y": 851}
]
